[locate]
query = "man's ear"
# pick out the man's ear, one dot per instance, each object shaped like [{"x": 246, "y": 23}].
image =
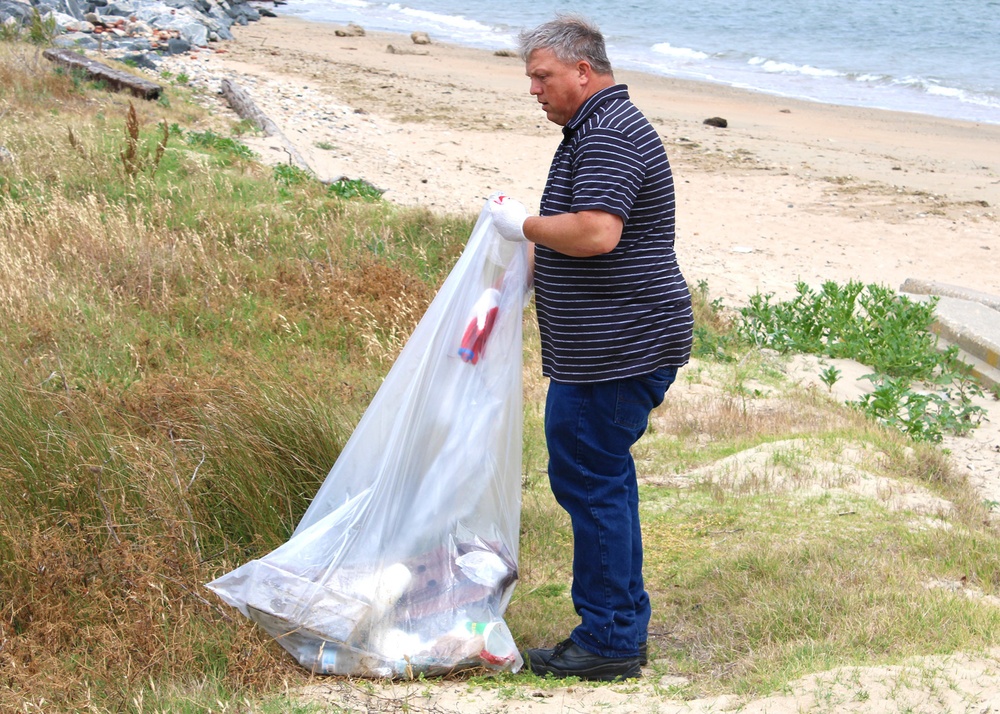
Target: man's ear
[{"x": 584, "y": 71}]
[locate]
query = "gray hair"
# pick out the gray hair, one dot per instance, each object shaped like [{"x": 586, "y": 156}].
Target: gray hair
[{"x": 571, "y": 39}]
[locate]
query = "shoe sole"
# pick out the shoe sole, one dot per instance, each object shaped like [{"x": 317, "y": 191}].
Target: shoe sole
[{"x": 600, "y": 673}]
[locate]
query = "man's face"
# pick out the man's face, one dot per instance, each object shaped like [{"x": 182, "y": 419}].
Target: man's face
[{"x": 558, "y": 86}]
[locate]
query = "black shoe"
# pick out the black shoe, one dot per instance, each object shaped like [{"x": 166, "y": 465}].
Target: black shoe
[
  {"x": 643, "y": 654},
  {"x": 568, "y": 659}
]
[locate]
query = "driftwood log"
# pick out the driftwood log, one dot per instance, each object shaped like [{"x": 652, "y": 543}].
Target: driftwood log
[
  {"x": 116, "y": 79},
  {"x": 244, "y": 105}
]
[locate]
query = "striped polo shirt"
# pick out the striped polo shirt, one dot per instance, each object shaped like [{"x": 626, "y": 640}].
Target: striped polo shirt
[{"x": 628, "y": 312}]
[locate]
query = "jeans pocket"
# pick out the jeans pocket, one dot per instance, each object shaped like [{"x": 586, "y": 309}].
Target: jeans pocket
[{"x": 638, "y": 396}]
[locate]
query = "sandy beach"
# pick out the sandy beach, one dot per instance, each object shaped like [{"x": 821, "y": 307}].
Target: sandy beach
[{"x": 790, "y": 191}]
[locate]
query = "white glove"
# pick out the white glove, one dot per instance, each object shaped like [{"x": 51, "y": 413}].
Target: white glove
[{"x": 508, "y": 216}]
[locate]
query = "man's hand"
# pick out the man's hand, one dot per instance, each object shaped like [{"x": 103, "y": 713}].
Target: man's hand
[{"x": 508, "y": 216}]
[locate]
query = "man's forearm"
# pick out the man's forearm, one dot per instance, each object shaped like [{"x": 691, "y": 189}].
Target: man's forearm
[{"x": 579, "y": 235}]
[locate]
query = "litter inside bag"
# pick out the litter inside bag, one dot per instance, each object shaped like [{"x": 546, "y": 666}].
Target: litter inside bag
[{"x": 406, "y": 559}]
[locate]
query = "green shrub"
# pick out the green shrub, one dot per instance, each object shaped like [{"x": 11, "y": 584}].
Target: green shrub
[
  {"x": 921, "y": 390},
  {"x": 354, "y": 188}
]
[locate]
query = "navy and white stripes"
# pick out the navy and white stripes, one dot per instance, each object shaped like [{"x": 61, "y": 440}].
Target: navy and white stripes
[{"x": 628, "y": 312}]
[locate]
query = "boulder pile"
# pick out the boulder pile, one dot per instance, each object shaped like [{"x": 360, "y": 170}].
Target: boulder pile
[{"x": 146, "y": 27}]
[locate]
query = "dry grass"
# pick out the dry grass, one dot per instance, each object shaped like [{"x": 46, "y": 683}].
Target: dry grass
[{"x": 185, "y": 345}]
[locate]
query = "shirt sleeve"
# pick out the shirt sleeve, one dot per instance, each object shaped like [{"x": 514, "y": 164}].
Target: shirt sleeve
[{"x": 607, "y": 173}]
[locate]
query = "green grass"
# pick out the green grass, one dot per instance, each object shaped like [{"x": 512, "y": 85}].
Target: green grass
[
  {"x": 788, "y": 564},
  {"x": 187, "y": 339}
]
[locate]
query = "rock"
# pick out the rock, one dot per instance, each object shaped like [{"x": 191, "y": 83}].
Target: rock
[
  {"x": 76, "y": 42},
  {"x": 64, "y": 21},
  {"x": 71, "y": 7},
  {"x": 194, "y": 33},
  {"x": 6, "y": 157},
  {"x": 243, "y": 13},
  {"x": 178, "y": 46},
  {"x": 185, "y": 22},
  {"x": 140, "y": 59},
  {"x": 352, "y": 30},
  {"x": 420, "y": 38},
  {"x": 117, "y": 22},
  {"x": 716, "y": 121},
  {"x": 109, "y": 20},
  {"x": 400, "y": 51},
  {"x": 13, "y": 14},
  {"x": 140, "y": 29},
  {"x": 120, "y": 8}
]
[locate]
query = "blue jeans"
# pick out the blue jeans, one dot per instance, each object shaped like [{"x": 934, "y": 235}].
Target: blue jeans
[{"x": 590, "y": 430}]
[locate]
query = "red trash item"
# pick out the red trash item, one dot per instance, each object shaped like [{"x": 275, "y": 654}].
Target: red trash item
[{"x": 481, "y": 319}]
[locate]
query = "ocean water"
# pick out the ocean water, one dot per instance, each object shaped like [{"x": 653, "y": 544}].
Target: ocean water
[{"x": 936, "y": 57}]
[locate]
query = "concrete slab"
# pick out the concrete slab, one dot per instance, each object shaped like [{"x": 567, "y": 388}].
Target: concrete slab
[
  {"x": 972, "y": 326},
  {"x": 914, "y": 286},
  {"x": 987, "y": 376},
  {"x": 968, "y": 319}
]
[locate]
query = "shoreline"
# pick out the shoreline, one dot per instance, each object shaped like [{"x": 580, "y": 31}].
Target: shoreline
[
  {"x": 858, "y": 74},
  {"x": 791, "y": 190}
]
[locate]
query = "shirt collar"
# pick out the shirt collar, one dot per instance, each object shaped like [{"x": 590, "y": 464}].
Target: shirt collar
[{"x": 617, "y": 91}]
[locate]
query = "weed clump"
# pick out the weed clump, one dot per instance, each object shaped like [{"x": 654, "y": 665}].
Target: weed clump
[{"x": 920, "y": 390}]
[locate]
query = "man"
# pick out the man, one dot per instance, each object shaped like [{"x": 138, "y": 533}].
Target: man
[{"x": 614, "y": 314}]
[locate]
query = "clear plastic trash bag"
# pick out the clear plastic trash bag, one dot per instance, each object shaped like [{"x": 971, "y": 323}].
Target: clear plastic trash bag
[{"x": 406, "y": 559}]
